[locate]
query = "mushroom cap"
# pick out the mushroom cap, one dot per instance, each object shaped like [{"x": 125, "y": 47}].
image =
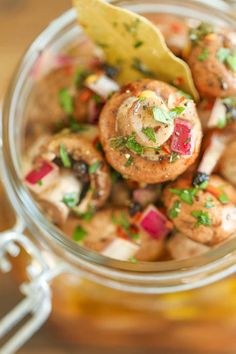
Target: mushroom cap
[{"x": 146, "y": 169}]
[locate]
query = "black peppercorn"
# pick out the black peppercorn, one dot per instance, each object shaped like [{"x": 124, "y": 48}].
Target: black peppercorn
[{"x": 200, "y": 178}]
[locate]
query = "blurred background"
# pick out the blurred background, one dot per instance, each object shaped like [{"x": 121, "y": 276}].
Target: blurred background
[{"x": 209, "y": 330}]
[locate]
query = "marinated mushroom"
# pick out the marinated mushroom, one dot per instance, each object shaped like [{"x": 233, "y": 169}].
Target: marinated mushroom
[
  {"x": 114, "y": 233},
  {"x": 83, "y": 182},
  {"x": 206, "y": 213},
  {"x": 150, "y": 132},
  {"x": 212, "y": 61},
  {"x": 182, "y": 247}
]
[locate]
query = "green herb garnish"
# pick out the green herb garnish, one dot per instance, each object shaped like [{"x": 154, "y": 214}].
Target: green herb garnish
[
  {"x": 76, "y": 127},
  {"x": 129, "y": 162},
  {"x": 133, "y": 145},
  {"x": 204, "y": 55},
  {"x": 198, "y": 33},
  {"x": 175, "y": 112},
  {"x": 138, "y": 44},
  {"x": 202, "y": 218},
  {"x": 94, "y": 167},
  {"x": 231, "y": 61},
  {"x": 80, "y": 76},
  {"x": 223, "y": 198},
  {"x": 79, "y": 233},
  {"x": 174, "y": 156},
  {"x": 133, "y": 260},
  {"x": 209, "y": 203},
  {"x": 203, "y": 185},
  {"x": 71, "y": 199},
  {"x": 40, "y": 183},
  {"x": 124, "y": 223},
  {"x": 132, "y": 27},
  {"x": 140, "y": 67},
  {"x": 161, "y": 116},
  {"x": 222, "y": 122},
  {"x": 222, "y": 54},
  {"x": 150, "y": 134},
  {"x": 175, "y": 210},
  {"x": 66, "y": 101},
  {"x": 65, "y": 157},
  {"x": 186, "y": 195},
  {"x": 87, "y": 215},
  {"x": 102, "y": 44}
]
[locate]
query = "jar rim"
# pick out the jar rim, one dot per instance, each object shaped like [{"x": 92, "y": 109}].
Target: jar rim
[{"x": 174, "y": 275}]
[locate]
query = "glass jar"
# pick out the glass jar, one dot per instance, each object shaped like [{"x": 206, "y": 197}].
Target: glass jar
[{"x": 96, "y": 300}]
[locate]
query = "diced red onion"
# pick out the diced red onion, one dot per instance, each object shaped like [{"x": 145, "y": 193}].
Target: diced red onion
[
  {"x": 40, "y": 172},
  {"x": 93, "y": 111},
  {"x": 102, "y": 85},
  {"x": 218, "y": 113},
  {"x": 182, "y": 137},
  {"x": 42, "y": 176},
  {"x": 121, "y": 249},
  {"x": 212, "y": 154},
  {"x": 155, "y": 223}
]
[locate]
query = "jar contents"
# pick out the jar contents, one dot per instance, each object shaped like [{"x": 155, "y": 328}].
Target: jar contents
[{"x": 137, "y": 171}]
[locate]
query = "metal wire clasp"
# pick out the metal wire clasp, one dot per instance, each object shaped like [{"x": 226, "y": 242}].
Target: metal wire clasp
[{"x": 37, "y": 292}]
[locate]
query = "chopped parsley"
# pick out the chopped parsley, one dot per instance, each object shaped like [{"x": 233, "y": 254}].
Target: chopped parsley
[
  {"x": 221, "y": 123},
  {"x": 129, "y": 161},
  {"x": 161, "y": 116},
  {"x": 201, "y": 217},
  {"x": 175, "y": 210},
  {"x": 174, "y": 156},
  {"x": 132, "y": 27},
  {"x": 133, "y": 260},
  {"x": 124, "y": 223},
  {"x": 222, "y": 54},
  {"x": 186, "y": 195},
  {"x": 65, "y": 157},
  {"x": 102, "y": 44},
  {"x": 133, "y": 145},
  {"x": 209, "y": 203},
  {"x": 80, "y": 76},
  {"x": 203, "y": 185},
  {"x": 94, "y": 167},
  {"x": 76, "y": 127},
  {"x": 138, "y": 44},
  {"x": 204, "y": 55},
  {"x": 130, "y": 142},
  {"x": 223, "y": 198},
  {"x": 140, "y": 67},
  {"x": 228, "y": 57},
  {"x": 175, "y": 112},
  {"x": 79, "y": 233},
  {"x": 165, "y": 117},
  {"x": 66, "y": 101},
  {"x": 150, "y": 134},
  {"x": 115, "y": 176},
  {"x": 40, "y": 183},
  {"x": 198, "y": 33},
  {"x": 87, "y": 215},
  {"x": 231, "y": 61},
  {"x": 71, "y": 199}
]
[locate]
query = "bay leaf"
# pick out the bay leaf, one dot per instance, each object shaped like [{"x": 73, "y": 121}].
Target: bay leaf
[{"x": 134, "y": 44}]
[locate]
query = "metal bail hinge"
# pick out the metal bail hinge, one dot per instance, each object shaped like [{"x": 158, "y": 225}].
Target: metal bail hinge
[{"x": 37, "y": 292}]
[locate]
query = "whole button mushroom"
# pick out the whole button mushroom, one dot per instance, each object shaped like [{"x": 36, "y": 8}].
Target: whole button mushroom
[
  {"x": 150, "y": 132},
  {"x": 205, "y": 213},
  {"x": 80, "y": 177},
  {"x": 212, "y": 60}
]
